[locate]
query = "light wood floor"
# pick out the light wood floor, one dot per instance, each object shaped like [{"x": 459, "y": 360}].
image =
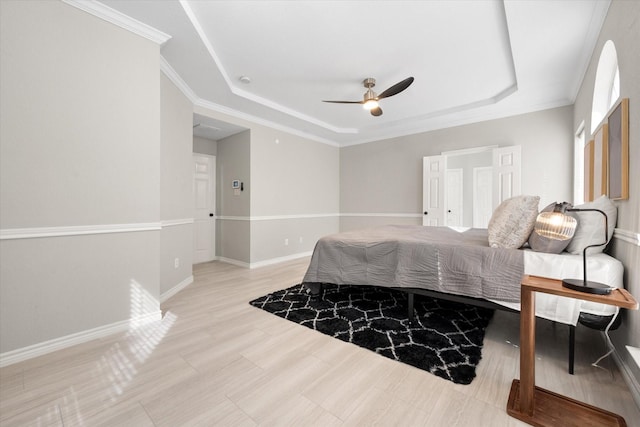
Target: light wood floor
[{"x": 215, "y": 360}]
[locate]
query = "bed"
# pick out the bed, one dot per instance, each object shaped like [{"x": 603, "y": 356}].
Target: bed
[{"x": 457, "y": 264}]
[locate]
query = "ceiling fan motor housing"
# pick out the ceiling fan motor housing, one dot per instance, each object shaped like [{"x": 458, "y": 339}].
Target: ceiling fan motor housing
[
  {"x": 369, "y": 94},
  {"x": 369, "y": 82}
]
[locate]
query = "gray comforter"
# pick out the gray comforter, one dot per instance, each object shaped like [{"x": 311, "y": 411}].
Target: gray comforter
[{"x": 436, "y": 258}]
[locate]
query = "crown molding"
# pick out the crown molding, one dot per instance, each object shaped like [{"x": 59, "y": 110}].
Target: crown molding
[
  {"x": 175, "y": 78},
  {"x": 453, "y": 120},
  {"x": 108, "y": 14},
  {"x": 172, "y": 75},
  {"x": 511, "y": 88},
  {"x": 208, "y": 105},
  {"x": 245, "y": 94},
  {"x": 601, "y": 8}
]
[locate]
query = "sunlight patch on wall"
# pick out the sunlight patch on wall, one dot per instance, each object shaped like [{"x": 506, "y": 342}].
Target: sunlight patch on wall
[
  {"x": 144, "y": 307},
  {"x": 117, "y": 368}
]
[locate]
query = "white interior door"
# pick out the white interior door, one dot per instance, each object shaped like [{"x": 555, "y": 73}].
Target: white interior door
[
  {"x": 506, "y": 173},
  {"x": 433, "y": 176},
  {"x": 204, "y": 193},
  {"x": 454, "y": 184},
  {"x": 482, "y": 196}
]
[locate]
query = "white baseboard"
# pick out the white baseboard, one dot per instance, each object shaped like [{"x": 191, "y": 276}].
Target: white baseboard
[
  {"x": 234, "y": 262},
  {"x": 265, "y": 262},
  {"x": 279, "y": 259},
  {"x": 629, "y": 378},
  {"x": 40, "y": 349},
  {"x": 177, "y": 288}
]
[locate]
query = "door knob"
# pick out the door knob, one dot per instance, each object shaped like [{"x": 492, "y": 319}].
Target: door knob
[
  {"x": 210, "y": 214},
  {"x": 449, "y": 211},
  {"x": 426, "y": 213}
]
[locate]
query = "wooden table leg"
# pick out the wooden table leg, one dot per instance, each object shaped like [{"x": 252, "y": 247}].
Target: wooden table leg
[
  {"x": 527, "y": 351},
  {"x": 535, "y": 405}
]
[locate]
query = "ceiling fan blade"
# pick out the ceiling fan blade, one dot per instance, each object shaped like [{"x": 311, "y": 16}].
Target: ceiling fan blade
[
  {"x": 346, "y": 102},
  {"x": 396, "y": 88},
  {"x": 376, "y": 111}
]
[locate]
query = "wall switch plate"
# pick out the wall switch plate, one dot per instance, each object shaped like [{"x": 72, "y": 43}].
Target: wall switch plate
[
  {"x": 286, "y": 242},
  {"x": 176, "y": 263}
]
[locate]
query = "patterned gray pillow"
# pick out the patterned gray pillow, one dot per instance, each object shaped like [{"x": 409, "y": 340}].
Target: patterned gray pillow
[{"x": 512, "y": 222}]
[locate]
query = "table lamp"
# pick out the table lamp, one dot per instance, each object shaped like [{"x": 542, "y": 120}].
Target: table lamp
[{"x": 558, "y": 225}]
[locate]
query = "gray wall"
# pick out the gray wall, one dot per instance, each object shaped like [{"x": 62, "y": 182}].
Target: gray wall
[
  {"x": 79, "y": 146},
  {"x": 622, "y": 26},
  {"x": 205, "y": 146},
  {"x": 385, "y": 177},
  {"x": 291, "y": 193},
  {"x": 233, "y": 211},
  {"x": 294, "y": 198},
  {"x": 176, "y": 186}
]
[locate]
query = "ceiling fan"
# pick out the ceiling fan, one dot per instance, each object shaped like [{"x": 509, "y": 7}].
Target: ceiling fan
[{"x": 370, "y": 101}]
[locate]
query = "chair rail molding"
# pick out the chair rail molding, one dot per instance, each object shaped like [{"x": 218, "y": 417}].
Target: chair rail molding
[
  {"x": 275, "y": 217},
  {"x": 173, "y": 222},
  {"x": 382, "y": 214},
  {"x": 75, "y": 230},
  {"x": 632, "y": 237}
]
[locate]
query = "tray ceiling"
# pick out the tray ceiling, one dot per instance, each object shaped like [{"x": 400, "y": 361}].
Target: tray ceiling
[{"x": 472, "y": 60}]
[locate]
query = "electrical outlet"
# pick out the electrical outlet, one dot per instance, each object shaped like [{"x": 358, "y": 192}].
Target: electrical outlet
[
  {"x": 286, "y": 242},
  {"x": 176, "y": 263}
]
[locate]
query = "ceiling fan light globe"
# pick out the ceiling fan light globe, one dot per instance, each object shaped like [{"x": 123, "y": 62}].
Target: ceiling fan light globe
[{"x": 370, "y": 104}]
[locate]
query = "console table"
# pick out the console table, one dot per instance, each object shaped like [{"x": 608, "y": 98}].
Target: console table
[{"x": 535, "y": 405}]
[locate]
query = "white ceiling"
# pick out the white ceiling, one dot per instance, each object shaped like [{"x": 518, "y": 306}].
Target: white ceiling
[
  {"x": 471, "y": 60},
  {"x": 214, "y": 129}
]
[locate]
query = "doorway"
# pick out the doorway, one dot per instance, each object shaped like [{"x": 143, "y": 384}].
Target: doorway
[{"x": 463, "y": 187}]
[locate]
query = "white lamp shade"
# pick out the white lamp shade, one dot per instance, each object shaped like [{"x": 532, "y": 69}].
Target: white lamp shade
[{"x": 555, "y": 225}]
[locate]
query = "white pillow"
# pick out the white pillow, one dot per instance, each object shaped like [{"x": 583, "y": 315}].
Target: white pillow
[
  {"x": 590, "y": 230},
  {"x": 512, "y": 222}
]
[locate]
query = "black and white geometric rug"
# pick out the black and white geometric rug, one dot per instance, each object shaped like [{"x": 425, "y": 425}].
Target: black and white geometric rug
[{"x": 445, "y": 339}]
